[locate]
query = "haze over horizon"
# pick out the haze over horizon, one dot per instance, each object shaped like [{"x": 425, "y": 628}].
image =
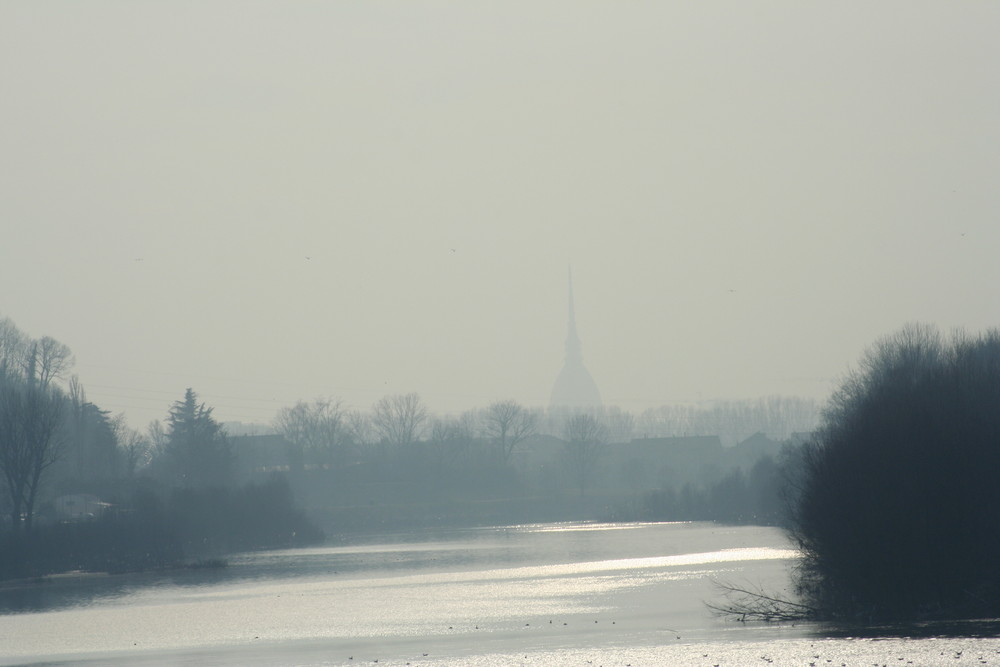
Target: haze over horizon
[{"x": 277, "y": 201}]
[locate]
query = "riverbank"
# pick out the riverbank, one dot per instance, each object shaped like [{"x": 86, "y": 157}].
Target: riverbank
[{"x": 168, "y": 530}]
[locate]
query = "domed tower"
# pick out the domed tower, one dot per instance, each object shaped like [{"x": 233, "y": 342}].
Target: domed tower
[{"x": 574, "y": 389}]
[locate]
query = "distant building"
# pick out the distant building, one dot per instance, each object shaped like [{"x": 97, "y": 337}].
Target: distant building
[
  {"x": 79, "y": 506},
  {"x": 574, "y": 388}
]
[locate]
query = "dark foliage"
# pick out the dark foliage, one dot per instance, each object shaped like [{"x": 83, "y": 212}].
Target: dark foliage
[
  {"x": 197, "y": 452},
  {"x": 754, "y": 497},
  {"x": 31, "y": 416},
  {"x": 192, "y": 525},
  {"x": 899, "y": 505},
  {"x": 132, "y": 540},
  {"x": 214, "y": 521}
]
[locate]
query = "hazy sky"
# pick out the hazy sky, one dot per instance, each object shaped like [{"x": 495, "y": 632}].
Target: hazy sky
[{"x": 268, "y": 201}]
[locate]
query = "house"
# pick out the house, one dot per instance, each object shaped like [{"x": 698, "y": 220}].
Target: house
[{"x": 78, "y": 506}]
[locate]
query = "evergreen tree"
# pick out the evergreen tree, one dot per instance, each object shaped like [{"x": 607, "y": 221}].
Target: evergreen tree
[{"x": 197, "y": 451}]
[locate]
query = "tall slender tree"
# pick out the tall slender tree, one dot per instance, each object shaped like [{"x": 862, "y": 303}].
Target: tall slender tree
[
  {"x": 316, "y": 432},
  {"x": 31, "y": 439},
  {"x": 13, "y": 347}
]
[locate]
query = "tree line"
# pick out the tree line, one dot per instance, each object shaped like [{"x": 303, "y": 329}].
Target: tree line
[
  {"x": 56, "y": 444},
  {"x": 155, "y": 499},
  {"x": 893, "y": 501}
]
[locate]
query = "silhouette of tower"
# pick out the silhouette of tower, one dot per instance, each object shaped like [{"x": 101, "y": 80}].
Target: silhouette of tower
[{"x": 574, "y": 387}]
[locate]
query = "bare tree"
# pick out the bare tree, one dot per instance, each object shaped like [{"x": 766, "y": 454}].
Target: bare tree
[
  {"x": 733, "y": 421},
  {"x": 316, "y": 432},
  {"x": 157, "y": 437},
  {"x": 585, "y": 441},
  {"x": 48, "y": 360},
  {"x": 133, "y": 445},
  {"x": 507, "y": 424},
  {"x": 92, "y": 441},
  {"x": 13, "y": 347},
  {"x": 620, "y": 424},
  {"x": 451, "y": 438},
  {"x": 399, "y": 419},
  {"x": 359, "y": 429},
  {"x": 30, "y": 441},
  {"x": 40, "y": 361},
  {"x": 77, "y": 398}
]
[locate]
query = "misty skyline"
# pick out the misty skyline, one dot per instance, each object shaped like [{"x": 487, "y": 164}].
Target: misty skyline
[{"x": 270, "y": 202}]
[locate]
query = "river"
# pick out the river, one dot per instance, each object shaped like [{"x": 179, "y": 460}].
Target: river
[{"x": 548, "y": 594}]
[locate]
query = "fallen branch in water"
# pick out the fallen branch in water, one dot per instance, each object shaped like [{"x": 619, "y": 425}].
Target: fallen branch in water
[{"x": 742, "y": 603}]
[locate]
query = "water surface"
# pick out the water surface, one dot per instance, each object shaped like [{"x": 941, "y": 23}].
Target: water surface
[{"x": 553, "y": 594}]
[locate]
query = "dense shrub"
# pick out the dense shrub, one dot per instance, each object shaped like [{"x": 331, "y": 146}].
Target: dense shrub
[
  {"x": 190, "y": 525},
  {"x": 899, "y": 508},
  {"x": 132, "y": 540},
  {"x": 213, "y": 521},
  {"x": 753, "y": 497}
]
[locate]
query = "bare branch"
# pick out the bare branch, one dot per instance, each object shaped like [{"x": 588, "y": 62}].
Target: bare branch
[
  {"x": 399, "y": 419},
  {"x": 743, "y": 603},
  {"x": 508, "y": 424}
]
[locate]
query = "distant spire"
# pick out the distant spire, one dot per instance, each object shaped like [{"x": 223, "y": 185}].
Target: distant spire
[
  {"x": 574, "y": 387},
  {"x": 574, "y": 351}
]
